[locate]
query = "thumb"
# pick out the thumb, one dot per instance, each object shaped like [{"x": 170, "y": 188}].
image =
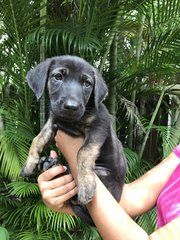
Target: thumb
[{"x": 53, "y": 154}]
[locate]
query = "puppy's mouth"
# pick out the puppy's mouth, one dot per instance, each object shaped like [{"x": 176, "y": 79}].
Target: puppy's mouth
[{"x": 68, "y": 114}]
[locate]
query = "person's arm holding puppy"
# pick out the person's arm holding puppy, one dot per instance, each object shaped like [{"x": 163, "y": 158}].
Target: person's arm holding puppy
[{"x": 111, "y": 218}]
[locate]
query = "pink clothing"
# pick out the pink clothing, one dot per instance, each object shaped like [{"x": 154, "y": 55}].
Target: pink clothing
[
  {"x": 168, "y": 202},
  {"x": 177, "y": 151}
]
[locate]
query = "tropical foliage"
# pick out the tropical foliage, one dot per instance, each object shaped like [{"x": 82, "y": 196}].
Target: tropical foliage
[{"x": 134, "y": 44}]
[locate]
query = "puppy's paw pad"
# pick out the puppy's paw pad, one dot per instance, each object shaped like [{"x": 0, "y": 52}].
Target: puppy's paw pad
[{"x": 46, "y": 162}]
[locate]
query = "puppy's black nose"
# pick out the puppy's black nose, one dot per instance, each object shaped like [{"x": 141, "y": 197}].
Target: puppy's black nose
[{"x": 71, "y": 105}]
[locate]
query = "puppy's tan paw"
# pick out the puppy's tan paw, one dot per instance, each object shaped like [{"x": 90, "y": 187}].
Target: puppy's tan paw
[
  {"x": 25, "y": 172},
  {"x": 86, "y": 188},
  {"x": 29, "y": 166}
]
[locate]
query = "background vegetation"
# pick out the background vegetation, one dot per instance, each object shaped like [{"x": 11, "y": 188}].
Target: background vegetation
[{"x": 135, "y": 44}]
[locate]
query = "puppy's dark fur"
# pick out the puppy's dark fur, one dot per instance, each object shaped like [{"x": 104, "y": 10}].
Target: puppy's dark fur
[{"x": 76, "y": 91}]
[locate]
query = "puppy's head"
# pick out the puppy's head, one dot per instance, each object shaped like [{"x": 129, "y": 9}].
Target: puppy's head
[{"x": 71, "y": 83}]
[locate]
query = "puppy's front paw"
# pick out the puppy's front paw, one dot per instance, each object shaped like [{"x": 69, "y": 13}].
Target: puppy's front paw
[
  {"x": 86, "y": 188},
  {"x": 47, "y": 162},
  {"x": 25, "y": 171},
  {"x": 29, "y": 166}
]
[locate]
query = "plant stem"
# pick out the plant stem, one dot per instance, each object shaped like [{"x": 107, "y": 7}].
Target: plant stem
[
  {"x": 152, "y": 121},
  {"x": 133, "y": 95},
  {"x": 110, "y": 39},
  {"x": 18, "y": 41},
  {"x": 112, "y": 88},
  {"x": 43, "y": 13}
]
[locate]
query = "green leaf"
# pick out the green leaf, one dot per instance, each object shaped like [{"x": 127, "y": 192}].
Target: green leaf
[
  {"x": 23, "y": 189},
  {"x": 4, "y": 235}
]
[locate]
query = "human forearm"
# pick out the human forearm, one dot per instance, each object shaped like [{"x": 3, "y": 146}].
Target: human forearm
[
  {"x": 69, "y": 146},
  {"x": 100, "y": 209},
  {"x": 111, "y": 220},
  {"x": 141, "y": 195},
  {"x": 114, "y": 223},
  {"x": 169, "y": 231}
]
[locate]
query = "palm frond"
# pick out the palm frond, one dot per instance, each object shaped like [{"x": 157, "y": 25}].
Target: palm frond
[
  {"x": 136, "y": 167},
  {"x": 4, "y": 235},
  {"x": 30, "y": 212},
  {"x": 41, "y": 235},
  {"x": 170, "y": 137},
  {"x": 85, "y": 28},
  {"x": 148, "y": 221},
  {"x": 14, "y": 143},
  {"x": 85, "y": 231},
  {"x": 131, "y": 112},
  {"x": 165, "y": 14},
  {"x": 23, "y": 189},
  {"x": 80, "y": 33},
  {"x": 73, "y": 40},
  {"x": 57, "y": 221}
]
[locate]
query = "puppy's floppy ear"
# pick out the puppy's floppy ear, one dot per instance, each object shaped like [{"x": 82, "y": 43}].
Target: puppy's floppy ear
[
  {"x": 100, "y": 89},
  {"x": 37, "y": 77}
]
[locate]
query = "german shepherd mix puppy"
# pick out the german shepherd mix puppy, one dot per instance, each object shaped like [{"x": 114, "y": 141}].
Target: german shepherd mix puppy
[{"x": 76, "y": 91}]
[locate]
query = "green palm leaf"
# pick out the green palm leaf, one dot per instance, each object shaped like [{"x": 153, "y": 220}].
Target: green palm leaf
[
  {"x": 14, "y": 143},
  {"x": 57, "y": 221},
  {"x": 87, "y": 232},
  {"x": 148, "y": 221},
  {"x": 4, "y": 235},
  {"x": 42, "y": 235},
  {"x": 170, "y": 137},
  {"x": 85, "y": 28},
  {"x": 23, "y": 189},
  {"x": 136, "y": 167}
]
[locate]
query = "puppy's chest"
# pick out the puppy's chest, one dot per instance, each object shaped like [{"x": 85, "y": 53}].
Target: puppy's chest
[{"x": 75, "y": 128}]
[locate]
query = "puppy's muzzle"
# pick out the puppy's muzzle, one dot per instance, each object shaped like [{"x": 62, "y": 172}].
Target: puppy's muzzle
[
  {"x": 68, "y": 108},
  {"x": 71, "y": 105},
  {"x": 72, "y": 109}
]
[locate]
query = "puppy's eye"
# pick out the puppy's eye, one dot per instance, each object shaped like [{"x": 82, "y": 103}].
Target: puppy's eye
[
  {"x": 63, "y": 72},
  {"x": 86, "y": 81},
  {"x": 58, "y": 76}
]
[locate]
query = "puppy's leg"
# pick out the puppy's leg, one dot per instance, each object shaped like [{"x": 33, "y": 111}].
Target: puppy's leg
[
  {"x": 36, "y": 148},
  {"x": 87, "y": 156}
]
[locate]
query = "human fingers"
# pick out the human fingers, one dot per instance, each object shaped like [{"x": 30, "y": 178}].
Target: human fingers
[
  {"x": 57, "y": 203},
  {"x": 56, "y": 192},
  {"x": 61, "y": 193},
  {"x": 56, "y": 183},
  {"x": 63, "y": 189},
  {"x": 51, "y": 173}
]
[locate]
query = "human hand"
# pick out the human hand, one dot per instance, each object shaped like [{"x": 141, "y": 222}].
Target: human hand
[
  {"x": 56, "y": 191},
  {"x": 69, "y": 146}
]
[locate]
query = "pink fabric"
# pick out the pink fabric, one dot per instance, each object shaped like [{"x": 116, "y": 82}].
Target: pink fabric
[
  {"x": 177, "y": 151},
  {"x": 168, "y": 202}
]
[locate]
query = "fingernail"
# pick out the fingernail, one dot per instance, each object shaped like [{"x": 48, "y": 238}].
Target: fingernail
[
  {"x": 65, "y": 168},
  {"x": 53, "y": 154}
]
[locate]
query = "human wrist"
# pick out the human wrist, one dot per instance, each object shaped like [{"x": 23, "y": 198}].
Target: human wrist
[{"x": 65, "y": 209}]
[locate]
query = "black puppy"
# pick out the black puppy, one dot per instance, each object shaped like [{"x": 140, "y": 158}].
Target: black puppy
[{"x": 76, "y": 91}]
